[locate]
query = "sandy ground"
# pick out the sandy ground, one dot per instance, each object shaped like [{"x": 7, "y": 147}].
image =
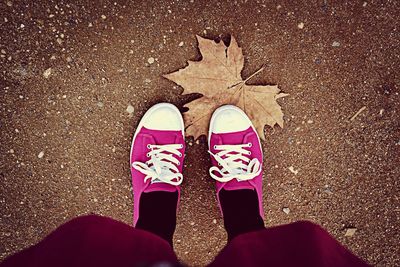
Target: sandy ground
[{"x": 65, "y": 138}]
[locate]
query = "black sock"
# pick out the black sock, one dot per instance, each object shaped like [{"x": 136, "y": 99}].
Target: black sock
[
  {"x": 240, "y": 210},
  {"x": 158, "y": 213}
]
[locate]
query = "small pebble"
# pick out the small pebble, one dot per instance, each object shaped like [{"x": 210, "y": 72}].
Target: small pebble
[
  {"x": 130, "y": 109},
  {"x": 90, "y": 25},
  {"x": 41, "y": 154},
  {"x": 180, "y": 44},
  {"x": 214, "y": 221},
  {"x": 47, "y": 73},
  {"x": 300, "y": 25},
  {"x": 292, "y": 170},
  {"x": 335, "y": 44},
  {"x": 103, "y": 16},
  {"x": 100, "y": 104},
  {"x": 11, "y": 151},
  {"x": 286, "y": 210},
  {"x": 150, "y": 60},
  {"x": 350, "y": 231},
  {"x": 327, "y": 189}
]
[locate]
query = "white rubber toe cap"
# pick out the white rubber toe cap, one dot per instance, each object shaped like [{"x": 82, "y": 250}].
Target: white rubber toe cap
[
  {"x": 163, "y": 116},
  {"x": 227, "y": 119}
]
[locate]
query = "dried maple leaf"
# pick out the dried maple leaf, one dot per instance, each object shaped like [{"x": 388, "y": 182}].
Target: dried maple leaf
[{"x": 218, "y": 78}]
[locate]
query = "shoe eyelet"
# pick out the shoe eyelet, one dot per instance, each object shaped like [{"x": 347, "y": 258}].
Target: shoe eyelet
[
  {"x": 180, "y": 155},
  {"x": 178, "y": 163},
  {"x": 219, "y": 164},
  {"x": 249, "y": 144},
  {"x": 215, "y": 147},
  {"x": 249, "y": 153},
  {"x": 181, "y": 146},
  {"x": 148, "y": 155},
  {"x": 148, "y": 146}
]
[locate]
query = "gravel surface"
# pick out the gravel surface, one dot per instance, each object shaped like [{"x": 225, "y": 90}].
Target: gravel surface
[{"x": 77, "y": 77}]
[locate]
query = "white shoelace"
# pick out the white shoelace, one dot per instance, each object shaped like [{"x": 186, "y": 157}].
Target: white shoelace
[
  {"x": 235, "y": 163},
  {"x": 161, "y": 167}
]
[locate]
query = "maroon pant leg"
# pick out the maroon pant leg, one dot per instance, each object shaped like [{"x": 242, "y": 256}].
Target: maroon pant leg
[
  {"x": 297, "y": 244},
  {"x": 95, "y": 241}
]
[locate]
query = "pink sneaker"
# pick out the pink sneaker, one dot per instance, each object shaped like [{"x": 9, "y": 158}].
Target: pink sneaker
[
  {"x": 157, "y": 153},
  {"x": 236, "y": 152}
]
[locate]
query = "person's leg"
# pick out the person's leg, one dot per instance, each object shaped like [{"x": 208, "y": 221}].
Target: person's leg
[
  {"x": 158, "y": 214},
  {"x": 297, "y": 244},
  {"x": 237, "y": 164},
  {"x": 156, "y": 159},
  {"x": 240, "y": 212},
  {"x": 95, "y": 241}
]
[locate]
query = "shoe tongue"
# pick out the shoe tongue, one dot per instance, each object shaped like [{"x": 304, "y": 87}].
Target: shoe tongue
[
  {"x": 234, "y": 139},
  {"x": 160, "y": 187},
  {"x": 235, "y": 185},
  {"x": 163, "y": 137}
]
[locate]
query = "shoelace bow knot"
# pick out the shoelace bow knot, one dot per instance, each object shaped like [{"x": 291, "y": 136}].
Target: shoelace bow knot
[
  {"x": 235, "y": 163},
  {"x": 162, "y": 165}
]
